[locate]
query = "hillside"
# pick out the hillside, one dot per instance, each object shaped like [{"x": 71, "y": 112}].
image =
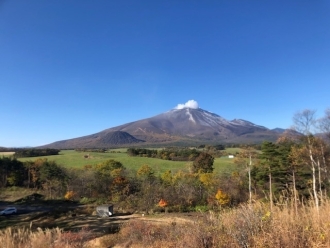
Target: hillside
[{"x": 98, "y": 140}]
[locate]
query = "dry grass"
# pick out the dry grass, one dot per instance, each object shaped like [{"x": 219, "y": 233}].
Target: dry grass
[
  {"x": 12, "y": 194},
  {"x": 285, "y": 228},
  {"x": 5, "y": 154},
  {"x": 53, "y": 238},
  {"x": 244, "y": 226}
]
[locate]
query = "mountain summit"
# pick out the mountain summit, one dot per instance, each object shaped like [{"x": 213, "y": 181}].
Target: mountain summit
[
  {"x": 184, "y": 125},
  {"x": 189, "y": 123}
]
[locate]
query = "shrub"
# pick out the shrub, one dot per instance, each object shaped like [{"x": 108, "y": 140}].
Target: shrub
[{"x": 69, "y": 195}]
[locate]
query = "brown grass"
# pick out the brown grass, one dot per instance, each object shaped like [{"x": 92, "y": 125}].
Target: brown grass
[
  {"x": 244, "y": 226},
  {"x": 53, "y": 238}
]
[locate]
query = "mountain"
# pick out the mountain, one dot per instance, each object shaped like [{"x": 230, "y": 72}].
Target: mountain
[
  {"x": 279, "y": 130},
  {"x": 98, "y": 140},
  {"x": 177, "y": 126}
]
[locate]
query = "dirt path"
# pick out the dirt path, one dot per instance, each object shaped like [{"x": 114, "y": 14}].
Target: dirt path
[{"x": 72, "y": 220}]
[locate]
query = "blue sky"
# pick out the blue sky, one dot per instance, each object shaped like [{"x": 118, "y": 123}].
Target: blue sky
[{"x": 73, "y": 68}]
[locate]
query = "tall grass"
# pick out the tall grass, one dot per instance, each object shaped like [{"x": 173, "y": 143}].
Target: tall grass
[
  {"x": 245, "y": 226},
  {"x": 50, "y": 238}
]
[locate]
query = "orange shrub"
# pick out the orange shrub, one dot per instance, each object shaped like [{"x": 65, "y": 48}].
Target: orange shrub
[{"x": 162, "y": 203}]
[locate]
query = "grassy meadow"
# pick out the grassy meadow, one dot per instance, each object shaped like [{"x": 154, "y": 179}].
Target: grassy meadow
[{"x": 75, "y": 159}]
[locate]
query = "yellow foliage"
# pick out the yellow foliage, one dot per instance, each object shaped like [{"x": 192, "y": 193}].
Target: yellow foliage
[
  {"x": 266, "y": 216},
  {"x": 222, "y": 197},
  {"x": 207, "y": 179},
  {"x": 145, "y": 171},
  {"x": 179, "y": 175},
  {"x": 167, "y": 177},
  {"x": 116, "y": 172},
  {"x": 69, "y": 195}
]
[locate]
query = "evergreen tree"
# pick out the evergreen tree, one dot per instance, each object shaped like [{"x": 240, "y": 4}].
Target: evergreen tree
[{"x": 203, "y": 163}]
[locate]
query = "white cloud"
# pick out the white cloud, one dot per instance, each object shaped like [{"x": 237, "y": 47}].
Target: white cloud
[{"x": 190, "y": 104}]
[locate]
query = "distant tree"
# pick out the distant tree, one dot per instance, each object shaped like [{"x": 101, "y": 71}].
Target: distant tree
[
  {"x": 120, "y": 186},
  {"x": 142, "y": 152},
  {"x": 167, "y": 177},
  {"x": 33, "y": 168},
  {"x": 324, "y": 124},
  {"x": 12, "y": 172},
  {"x": 20, "y": 153},
  {"x": 148, "y": 187},
  {"x": 189, "y": 190},
  {"x": 219, "y": 147},
  {"x": 53, "y": 178},
  {"x": 109, "y": 165},
  {"x": 83, "y": 181},
  {"x": 145, "y": 172},
  {"x": 269, "y": 159},
  {"x": 289, "y": 160},
  {"x": 105, "y": 173},
  {"x": 245, "y": 157},
  {"x": 203, "y": 163}
]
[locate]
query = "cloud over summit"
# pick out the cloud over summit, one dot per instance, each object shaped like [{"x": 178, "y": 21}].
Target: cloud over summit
[{"x": 190, "y": 104}]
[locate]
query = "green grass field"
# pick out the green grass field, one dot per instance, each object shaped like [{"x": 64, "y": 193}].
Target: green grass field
[
  {"x": 232, "y": 150},
  {"x": 74, "y": 159}
]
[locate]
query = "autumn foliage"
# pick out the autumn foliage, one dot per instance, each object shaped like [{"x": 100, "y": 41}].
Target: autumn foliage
[
  {"x": 162, "y": 203},
  {"x": 69, "y": 195},
  {"x": 222, "y": 197}
]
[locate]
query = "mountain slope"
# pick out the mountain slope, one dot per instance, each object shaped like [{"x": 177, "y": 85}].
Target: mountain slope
[
  {"x": 98, "y": 140},
  {"x": 186, "y": 125},
  {"x": 190, "y": 123}
]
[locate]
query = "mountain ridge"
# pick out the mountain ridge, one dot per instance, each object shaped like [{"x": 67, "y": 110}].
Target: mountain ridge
[{"x": 185, "y": 125}]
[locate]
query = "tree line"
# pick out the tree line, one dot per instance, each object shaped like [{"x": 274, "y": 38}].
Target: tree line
[
  {"x": 177, "y": 153},
  {"x": 33, "y": 152},
  {"x": 170, "y": 153}
]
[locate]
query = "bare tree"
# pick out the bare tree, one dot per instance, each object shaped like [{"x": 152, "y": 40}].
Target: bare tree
[
  {"x": 246, "y": 156},
  {"x": 304, "y": 122},
  {"x": 324, "y": 128},
  {"x": 324, "y": 124}
]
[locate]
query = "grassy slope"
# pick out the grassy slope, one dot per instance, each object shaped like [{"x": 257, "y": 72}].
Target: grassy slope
[{"x": 71, "y": 158}]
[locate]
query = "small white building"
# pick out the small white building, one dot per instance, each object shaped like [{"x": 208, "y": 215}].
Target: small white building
[{"x": 230, "y": 156}]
